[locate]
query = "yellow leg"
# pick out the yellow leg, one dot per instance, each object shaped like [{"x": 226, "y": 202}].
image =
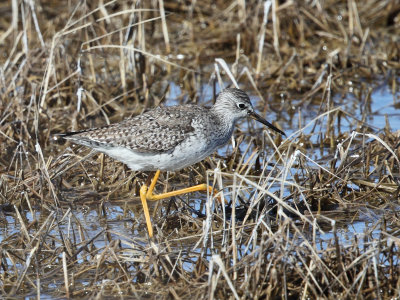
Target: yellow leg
[
  {"x": 143, "y": 191},
  {"x": 146, "y": 194},
  {"x": 152, "y": 185},
  {"x": 197, "y": 188}
]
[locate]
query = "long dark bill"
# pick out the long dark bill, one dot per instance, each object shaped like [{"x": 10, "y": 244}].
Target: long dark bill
[{"x": 260, "y": 119}]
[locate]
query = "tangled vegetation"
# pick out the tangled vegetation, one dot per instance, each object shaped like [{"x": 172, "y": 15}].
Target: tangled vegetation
[{"x": 313, "y": 215}]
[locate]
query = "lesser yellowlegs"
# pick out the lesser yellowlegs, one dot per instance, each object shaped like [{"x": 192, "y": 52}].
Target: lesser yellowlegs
[{"x": 170, "y": 138}]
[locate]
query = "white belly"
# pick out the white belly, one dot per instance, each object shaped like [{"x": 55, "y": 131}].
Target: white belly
[{"x": 189, "y": 152}]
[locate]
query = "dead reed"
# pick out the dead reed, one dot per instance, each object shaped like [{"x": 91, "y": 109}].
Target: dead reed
[{"x": 70, "y": 220}]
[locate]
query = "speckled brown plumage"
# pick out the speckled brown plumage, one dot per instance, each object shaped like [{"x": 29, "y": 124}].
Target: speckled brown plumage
[
  {"x": 170, "y": 138},
  {"x": 157, "y": 130}
]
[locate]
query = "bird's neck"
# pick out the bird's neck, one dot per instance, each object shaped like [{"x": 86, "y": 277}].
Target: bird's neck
[
  {"x": 225, "y": 122},
  {"x": 222, "y": 114}
]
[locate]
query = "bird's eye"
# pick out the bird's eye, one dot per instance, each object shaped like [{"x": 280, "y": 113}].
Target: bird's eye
[{"x": 241, "y": 105}]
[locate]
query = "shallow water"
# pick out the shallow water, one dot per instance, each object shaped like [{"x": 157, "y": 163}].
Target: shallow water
[{"x": 383, "y": 105}]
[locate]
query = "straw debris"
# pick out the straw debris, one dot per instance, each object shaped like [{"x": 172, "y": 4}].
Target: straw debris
[{"x": 315, "y": 215}]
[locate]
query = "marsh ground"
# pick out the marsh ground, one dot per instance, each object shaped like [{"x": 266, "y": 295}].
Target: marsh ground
[{"x": 314, "y": 215}]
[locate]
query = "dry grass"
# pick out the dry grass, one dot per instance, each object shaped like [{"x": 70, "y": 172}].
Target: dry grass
[{"x": 71, "y": 223}]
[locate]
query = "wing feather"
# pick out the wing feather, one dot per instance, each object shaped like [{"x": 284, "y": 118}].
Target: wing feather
[{"x": 158, "y": 130}]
